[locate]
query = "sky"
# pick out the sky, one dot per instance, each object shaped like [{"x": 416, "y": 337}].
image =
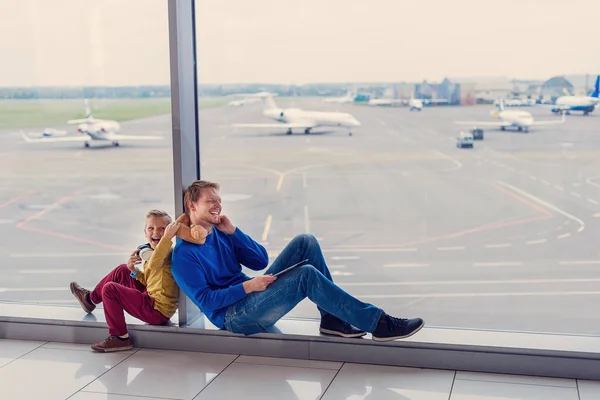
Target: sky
[{"x": 125, "y": 42}]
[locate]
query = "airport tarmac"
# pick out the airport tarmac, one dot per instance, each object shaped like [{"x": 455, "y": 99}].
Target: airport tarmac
[{"x": 500, "y": 236}]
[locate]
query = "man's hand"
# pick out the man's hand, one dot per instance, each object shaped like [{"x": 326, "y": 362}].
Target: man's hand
[
  {"x": 258, "y": 284},
  {"x": 134, "y": 259},
  {"x": 171, "y": 229},
  {"x": 226, "y": 226}
]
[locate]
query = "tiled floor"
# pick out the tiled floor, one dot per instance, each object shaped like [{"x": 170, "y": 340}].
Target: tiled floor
[{"x": 46, "y": 370}]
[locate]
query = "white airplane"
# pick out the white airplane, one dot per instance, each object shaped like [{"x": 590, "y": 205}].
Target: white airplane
[
  {"x": 522, "y": 120},
  {"x": 585, "y": 104},
  {"x": 348, "y": 98},
  {"x": 90, "y": 129},
  {"x": 295, "y": 118},
  {"x": 242, "y": 102}
]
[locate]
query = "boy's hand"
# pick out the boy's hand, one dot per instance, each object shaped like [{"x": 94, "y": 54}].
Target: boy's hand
[
  {"x": 134, "y": 259},
  {"x": 171, "y": 229},
  {"x": 226, "y": 226}
]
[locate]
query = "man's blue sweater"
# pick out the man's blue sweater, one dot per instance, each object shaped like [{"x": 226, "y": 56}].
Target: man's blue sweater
[{"x": 211, "y": 275}]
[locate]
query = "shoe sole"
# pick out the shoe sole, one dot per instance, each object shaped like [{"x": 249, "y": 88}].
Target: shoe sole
[
  {"x": 346, "y": 335},
  {"x": 81, "y": 303},
  {"x": 111, "y": 350},
  {"x": 389, "y": 339}
]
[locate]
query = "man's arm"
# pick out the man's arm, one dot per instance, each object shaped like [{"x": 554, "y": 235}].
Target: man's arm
[
  {"x": 189, "y": 275},
  {"x": 249, "y": 253}
]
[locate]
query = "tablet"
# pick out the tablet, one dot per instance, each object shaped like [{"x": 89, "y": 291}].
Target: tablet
[{"x": 292, "y": 267}]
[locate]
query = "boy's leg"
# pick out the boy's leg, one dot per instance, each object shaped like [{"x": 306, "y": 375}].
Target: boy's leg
[
  {"x": 118, "y": 299},
  {"x": 120, "y": 275}
]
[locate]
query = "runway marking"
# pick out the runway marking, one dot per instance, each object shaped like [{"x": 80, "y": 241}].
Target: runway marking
[
  {"x": 472, "y": 282},
  {"x": 265, "y": 233},
  {"x": 537, "y": 241},
  {"x": 575, "y": 194},
  {"x": 64, "y": 255},
  {"x": 533, "y": 177},
  {"x": 498, "y": 264},
  {"x": 407, "y": 265},
  {"x": 564, "y": 235},
  {"x": 451, "y": 248},
  {"x": 581, "y": 262},
  {"x": 522, "y": 200},
  {"x": 49, "y": 208},
  {"x": 458, "y": 295},
  {"x": 341, "y": 273},
  {"x": 344, "y": 258},
  {"x": 576, "y": 184},
  {"x": 47, "y": 271},
  {"x": 369, "y": 250},
  {"x": 589, "y": 181},
  {"x": 499, "y": 245},
  {"x": 304, "y": 181},
  {"x": 545, "y": 182},
  {"x": 546, "y": 204},
  {"x": 592, "y": 201},
  {"x": 34, "y": 289},
  {"x": 559, "y": 188},
  {"x": 21, "y": 196},
  {"x": 306, "y": 225},
  {"x": 287, "y": 239},
  {"x": 457, "y": 163},
  {"x": 336, "y": 266}
]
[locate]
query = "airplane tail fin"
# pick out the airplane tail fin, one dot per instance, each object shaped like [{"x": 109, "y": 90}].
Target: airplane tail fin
[
  {"x": 500, "y": 105},
  {"x": 267, "y": 100},
  {"x": 596, "y": 91},
  {"x": 89, "y": 118}
]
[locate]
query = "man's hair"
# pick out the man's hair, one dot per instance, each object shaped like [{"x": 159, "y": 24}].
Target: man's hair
[
  {"x": 193, "y": 192},
  {"x": 158, "y": 213}
]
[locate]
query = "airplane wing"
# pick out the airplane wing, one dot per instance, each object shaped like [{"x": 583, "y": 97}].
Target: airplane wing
[
  {"x": 482, "y": 123},
  {"x": 116, "y": 137},
  {"x": 294, "y": 125},
  {"x": 550, "y": 122},
  {"x": 80, "y": 138}
]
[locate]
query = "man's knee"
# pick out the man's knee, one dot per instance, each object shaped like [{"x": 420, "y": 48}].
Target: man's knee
[{"x": 307, "y": 239}]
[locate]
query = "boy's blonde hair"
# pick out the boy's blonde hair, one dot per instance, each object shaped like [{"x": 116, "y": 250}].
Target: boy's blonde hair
[{"x": 159, "y": 213}]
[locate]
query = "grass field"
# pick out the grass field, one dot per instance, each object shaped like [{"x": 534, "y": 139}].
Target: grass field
[{"x": 50, "y": 112}]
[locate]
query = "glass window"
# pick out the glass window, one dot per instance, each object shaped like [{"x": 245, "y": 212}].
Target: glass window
[
  {"x": 502, "y": 236},
  {"x": 85, "y": 140}
]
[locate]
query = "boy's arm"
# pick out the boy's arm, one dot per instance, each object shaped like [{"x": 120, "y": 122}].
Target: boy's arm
[
  {"x": 195, "y": 234},
  {"x": 190, "y": 278},
  {"x": 157, "y": 259}
]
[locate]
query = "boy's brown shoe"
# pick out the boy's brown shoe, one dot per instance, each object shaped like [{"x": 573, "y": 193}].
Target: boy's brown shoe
[
  {"x": 113, "y": 343},
  {"x": 81, "y": 295}
]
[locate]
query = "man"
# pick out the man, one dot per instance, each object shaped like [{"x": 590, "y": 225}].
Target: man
[{"x": 211, "y": 276}]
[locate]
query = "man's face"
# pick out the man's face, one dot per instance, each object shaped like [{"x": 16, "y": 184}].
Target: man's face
[
  {"x": 207, "y": 210},
  {"x": 155, "y": 229}
]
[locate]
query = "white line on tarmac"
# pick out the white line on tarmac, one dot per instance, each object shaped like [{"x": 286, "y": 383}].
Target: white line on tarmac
[
  {"x": 564, "y": 235},
  {"x": 370, "y": 250},
  {"x": 575, "y": 194},
  {"x": 306, "y": 225},
  {"x": 537, "y": 241},
  {"x": 304, "y": 180},
  {"x": 559, "y": 188},
  {"x": 474, "y": 282},
  {"x": 498, "y": 294},
  {"x": 265, "y": 233},
  {"x": 592, "y": 201},
  {"x": 580, "y": 262},
  {"x": 545, "y": 182},
  {"x": 406, "y": 265},
  {"x": 454, "y": 248},
  {"x": 47, "y": 271},
  {"x": 498, "y": 264},
  {"x": 499, "y": 245},
  {"x": 337, "y": 266},
  {"x": 35, "y": 289},
  {"x": 64, "y": 255},
  {"x": 344, "y": 258},
  {"x": 545, "y": 204}
]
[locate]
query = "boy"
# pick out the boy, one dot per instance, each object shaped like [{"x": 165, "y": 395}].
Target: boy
[{"x": 150, "y": 295}]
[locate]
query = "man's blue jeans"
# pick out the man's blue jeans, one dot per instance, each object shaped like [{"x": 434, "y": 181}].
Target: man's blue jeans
[{"x": 259, "y": 311}]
